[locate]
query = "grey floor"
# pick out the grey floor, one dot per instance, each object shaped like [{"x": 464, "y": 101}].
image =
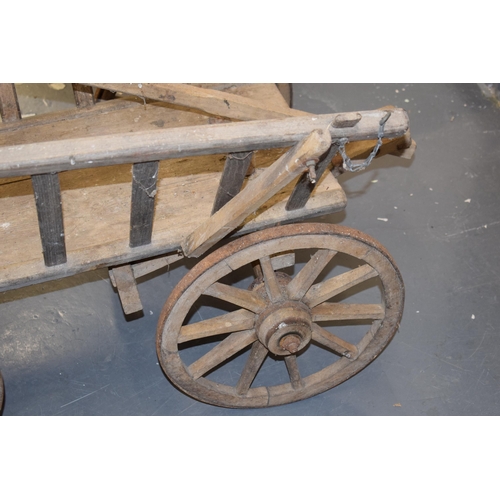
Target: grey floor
[{"x": 66, "y": 348}]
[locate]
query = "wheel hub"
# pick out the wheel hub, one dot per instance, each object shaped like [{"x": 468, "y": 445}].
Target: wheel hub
[{"x": 285, "y": 328}]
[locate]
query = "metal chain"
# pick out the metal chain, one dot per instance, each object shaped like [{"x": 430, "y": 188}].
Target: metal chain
[{"x": 356, "y": 166}]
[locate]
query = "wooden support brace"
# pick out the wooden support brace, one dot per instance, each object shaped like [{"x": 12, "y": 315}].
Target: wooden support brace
[
  {"x": 210, "y": 101},
  {"x": 9, "y": 106},
  {"x": 257, "y": 192},
  {"x": 50, "y": 217},
  {"x": 235, "y": 169},
  {"x": 123, "y": 278},
  {"x": 84, "y": 96},
  {"x": 304, "y": 187},
  {"x": 144, "y": 178}
]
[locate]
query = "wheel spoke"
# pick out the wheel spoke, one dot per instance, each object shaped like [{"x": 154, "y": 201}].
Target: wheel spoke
[
  {"x": 221, "y": 352},
  {"x": 331, "y": 341},
  {"x": 230, "y": 322},
  {"x": 323, "y": 291},
  {"x": 257, "y": 270},
  {"x": 293, "y": 372},
  {"x": 272, "y": 286},
  {"x": 331, "y": 311},
  {"x": 254, "y": 362},
  {"x": 243, "y": 298},
  {"x": 298, "y": 287}
]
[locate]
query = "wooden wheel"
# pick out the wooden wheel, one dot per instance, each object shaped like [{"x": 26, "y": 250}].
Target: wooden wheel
[{"x": 284, "y": 336}]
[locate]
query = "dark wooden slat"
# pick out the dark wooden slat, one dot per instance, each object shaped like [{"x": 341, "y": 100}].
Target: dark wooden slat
[
  {"x": 9, "y": 106},
  {"x": 235, "y": 169},
  {"x": 304, "y": 186},
  {"x": 84, "y": 96},
  {"x": 50, "y": 217},
  {"x": 144, "y": 177}
]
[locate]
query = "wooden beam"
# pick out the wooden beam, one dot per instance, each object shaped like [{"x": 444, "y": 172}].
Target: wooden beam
[
  {"x": 233, "y": 175},
  {"x": 209, "y": 101},
  {"x": 9, "y": 105},
  {"x": 152, "y": 145},
  {"x": 144, "y": 178},
  {"x": 83, "y": 94},
  {"x": 124, "y": 280},
  {"x": 50, "y": 218},
  {"x": 257, "y": 192}
]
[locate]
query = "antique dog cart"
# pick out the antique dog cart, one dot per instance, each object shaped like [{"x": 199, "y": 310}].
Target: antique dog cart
[{"x": 161, "y": 172}]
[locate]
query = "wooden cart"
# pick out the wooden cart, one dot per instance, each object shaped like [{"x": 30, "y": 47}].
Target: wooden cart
[{"x": 163, "y": 172}]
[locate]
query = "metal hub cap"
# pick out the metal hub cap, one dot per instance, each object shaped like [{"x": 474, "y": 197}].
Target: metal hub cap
[{"x": 285, "y": 328}]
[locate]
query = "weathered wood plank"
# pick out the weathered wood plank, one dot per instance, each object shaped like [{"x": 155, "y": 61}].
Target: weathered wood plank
[
  {"x": 276, "y": 177},
  {"x": 50, "y": 218},
  {"x": 9, "y": 105},
  {"x": 158, "y": 144},
  {"x": 124, "y": 280},
  {"x": 150, "y": 266},
  {"x": 122, "y": 115},
  {"x": 210, "y": 101},
  {"x": 101, "y": 237},
  {"x": 305, "y": 186},
  {"x": 144, "y": 179},
  {"x": 83, "y": 94},
  {"x": 233, "y": 175}
]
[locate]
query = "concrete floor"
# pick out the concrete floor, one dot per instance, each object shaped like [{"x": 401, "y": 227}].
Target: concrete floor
[{"x": 66, "y": 348}]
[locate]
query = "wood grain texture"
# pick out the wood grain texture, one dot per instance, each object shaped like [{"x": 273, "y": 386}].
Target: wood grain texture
[
  {"x": 210, "y": 101},
  {"x": 97, "y": 217},
  {"x": 257, "y": 192},
  {"x": 83, "y": 94},
  {"x": 226, "y": 323},
  {"x": 330, "y": 288},
  {"x": 124, "y": 279},
  {"x": 50, "y": 218},
  {"x": 9, "y": 105},
  {"x": 119, "y": 116},
  {"x": 152, "y": 145}
]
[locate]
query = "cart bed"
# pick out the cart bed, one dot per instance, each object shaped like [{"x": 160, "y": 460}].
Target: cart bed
[{"x": 96, "y": 205}]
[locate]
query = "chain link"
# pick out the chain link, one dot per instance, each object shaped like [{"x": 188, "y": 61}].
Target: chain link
[{"x": 356, "y": 166}]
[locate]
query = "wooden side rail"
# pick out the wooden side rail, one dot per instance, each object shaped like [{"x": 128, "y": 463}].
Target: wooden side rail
[{"x": 153, "y": 145}]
